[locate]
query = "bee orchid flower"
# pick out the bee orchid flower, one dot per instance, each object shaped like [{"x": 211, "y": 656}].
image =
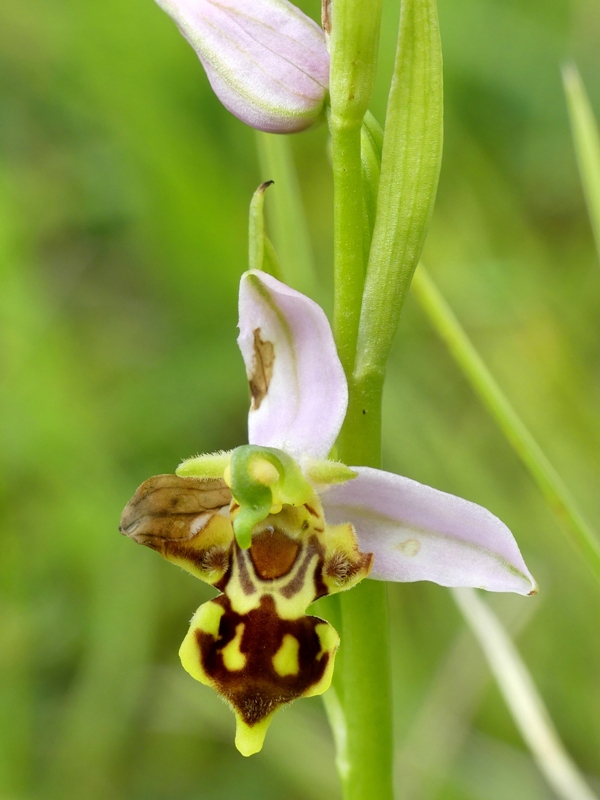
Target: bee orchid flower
[{"x": 274, "y": 525}]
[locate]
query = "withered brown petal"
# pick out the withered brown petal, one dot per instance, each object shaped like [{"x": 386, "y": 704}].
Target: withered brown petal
[{"x": 165, "y": 506}]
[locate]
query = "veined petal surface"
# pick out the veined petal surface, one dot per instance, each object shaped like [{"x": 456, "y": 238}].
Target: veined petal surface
[
  {"x": 266, "y": 61},
  {"x": 298, "y": 386},
  {"x": 419, "y": 533}
]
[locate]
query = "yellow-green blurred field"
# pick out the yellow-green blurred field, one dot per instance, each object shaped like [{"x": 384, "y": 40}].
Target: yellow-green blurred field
[{"x": 124, "y": 189}]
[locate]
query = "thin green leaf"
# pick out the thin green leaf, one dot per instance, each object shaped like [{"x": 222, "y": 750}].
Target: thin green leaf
[
  {"x": 371, "y": 144},
  {"x": 286, "y": 214},
  {"x": 468, "y": 359},
  {"x": 522, "y": 698},
  {"x": 261, "y": 253}
]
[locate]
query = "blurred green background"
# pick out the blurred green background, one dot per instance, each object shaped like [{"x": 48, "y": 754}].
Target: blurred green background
[{"x": 124, "y": 188}]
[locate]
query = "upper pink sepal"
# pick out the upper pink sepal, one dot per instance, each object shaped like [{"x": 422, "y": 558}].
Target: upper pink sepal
[
  {"x": 265, "y": 59},
  {"x": 419, "y": 533},
  {"x": 298, "y": 386}
]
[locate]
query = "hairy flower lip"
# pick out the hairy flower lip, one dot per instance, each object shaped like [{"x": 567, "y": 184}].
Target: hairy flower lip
[{"x": 267, "y": 62}]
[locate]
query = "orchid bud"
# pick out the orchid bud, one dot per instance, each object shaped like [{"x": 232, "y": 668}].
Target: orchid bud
[{"x": 266, "y": 61}]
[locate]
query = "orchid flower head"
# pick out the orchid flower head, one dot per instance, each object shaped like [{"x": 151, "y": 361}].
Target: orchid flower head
[
  {"x": 274, "y": 525},
  {"x": 266, "y": 60}
]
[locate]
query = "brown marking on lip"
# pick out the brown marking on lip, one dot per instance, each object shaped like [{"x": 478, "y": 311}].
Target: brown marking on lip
[
  {"x": 273, "y": 554},
  {"x": 262, "y": 369},
  {"x": 248, "y": 587},
  {"x": 258, "y": 689},
  {"x": 209, "y": 559},
  {"x": 313, "y": 546}
]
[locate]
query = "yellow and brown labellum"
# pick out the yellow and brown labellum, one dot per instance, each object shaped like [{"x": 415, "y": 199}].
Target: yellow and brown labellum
[
  {"x": 186, "y": 520},
  {"x": 276, "y": 661},
  {"x": 253, "y": 643}
]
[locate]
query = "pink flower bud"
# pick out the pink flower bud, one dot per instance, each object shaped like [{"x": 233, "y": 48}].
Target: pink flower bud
[{"x": 266, "y": 60}]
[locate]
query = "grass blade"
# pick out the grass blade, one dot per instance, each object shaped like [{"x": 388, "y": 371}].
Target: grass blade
[
  {"x": 468, "y": 359},
  {"x": 587, "y": 144},
  {"x": 522, "y": 698}
]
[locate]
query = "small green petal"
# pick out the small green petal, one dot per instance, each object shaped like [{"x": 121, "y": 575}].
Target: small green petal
[
  {"x": 328, "y": 472},
  {"x": 209, "y": 465}
]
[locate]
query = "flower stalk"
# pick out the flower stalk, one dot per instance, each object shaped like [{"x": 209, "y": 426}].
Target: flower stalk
[
  {"x": 353, "y": 43},
  {"x": 366, "y": 682},
  {"x": 396, "y": 206}
]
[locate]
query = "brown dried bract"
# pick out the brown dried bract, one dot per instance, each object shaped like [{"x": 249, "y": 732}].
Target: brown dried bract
[{"x": 262, "y": 369}]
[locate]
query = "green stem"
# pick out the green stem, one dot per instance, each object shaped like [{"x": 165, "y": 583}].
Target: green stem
[
  {"x": 365, "y": 751},
  {"x": 362, "y": 428},
  {"x": 348, "y": 264},
  {"x": 550, "y": 483},
  {"x": 366, "y": 676},
  {"x": 367, "y": 693}
]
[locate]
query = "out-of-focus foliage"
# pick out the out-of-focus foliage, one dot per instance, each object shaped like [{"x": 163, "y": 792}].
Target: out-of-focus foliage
[{"x": 124, "y": 189}]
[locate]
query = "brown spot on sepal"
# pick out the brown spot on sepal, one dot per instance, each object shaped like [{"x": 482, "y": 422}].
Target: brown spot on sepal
[
  {"x": 262, "y": 369},
  {"x": 326, "y": 16},
  {"x": 186, "y": 520},
  {"x": 258, "y": 689}
]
